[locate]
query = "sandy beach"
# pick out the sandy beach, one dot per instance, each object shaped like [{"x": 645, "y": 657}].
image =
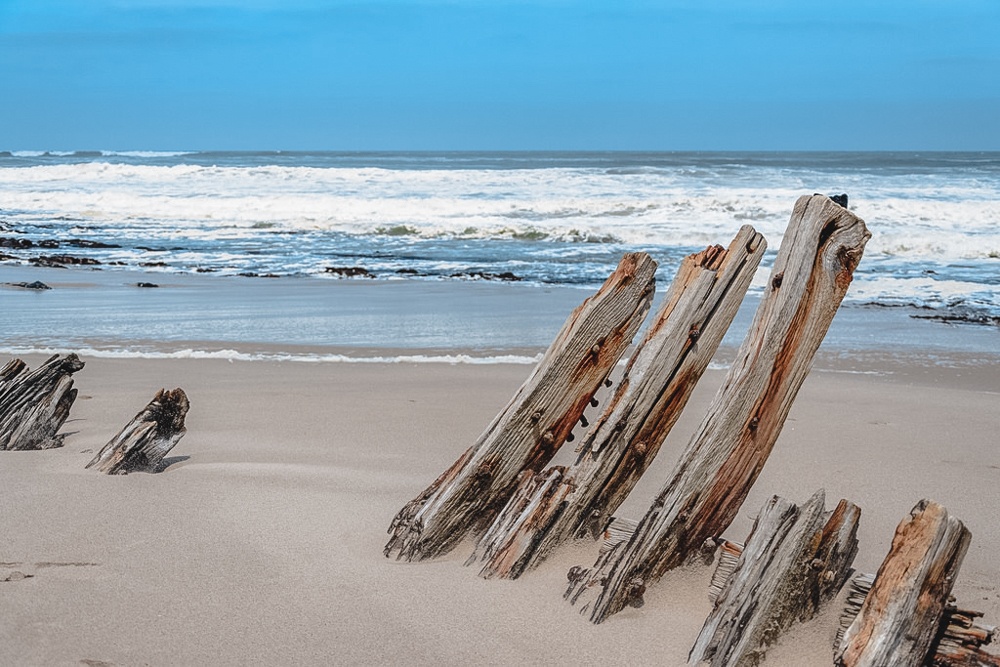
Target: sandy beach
[{"x": 261, "y": 543}]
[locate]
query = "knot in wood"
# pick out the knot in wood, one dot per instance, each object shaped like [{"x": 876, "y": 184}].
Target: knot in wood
[
  {"x": 634, "y": 592},
  {"x": 753, "y": 424},
  {"x": 536, "y": 416},
  {"x": 816, "y": 564},
  {"x": 683, "y": 516},
  {"x": 829, "y": 576},
  {"x": 776, "y": 281},
  {"x": 596, "y": 349},
  {"x": 694, "y": 334},
  {"x": 641, "y": 448},
  {"x": 548, "y": 438}
]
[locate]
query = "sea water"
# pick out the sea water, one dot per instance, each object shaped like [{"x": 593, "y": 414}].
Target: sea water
[{"x": 546, "y": 220}]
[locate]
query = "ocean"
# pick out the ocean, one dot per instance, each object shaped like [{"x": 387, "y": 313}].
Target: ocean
[{"x": 412, "y": 223}]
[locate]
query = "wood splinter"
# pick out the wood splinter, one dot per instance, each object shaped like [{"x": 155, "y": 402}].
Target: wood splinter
[{"x": 145, "y": 440}]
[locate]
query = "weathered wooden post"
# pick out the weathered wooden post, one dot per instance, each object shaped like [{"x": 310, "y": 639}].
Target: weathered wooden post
[
  {"x": 525, "y": 435},
  {"x": 814, "y": 267},
  {"x": 902, "y": 613},
  {"x": 144, "y": 441},
  {"x": 796, "y": 559},
  {"x": 559, "y": 504},
  {"x": 35, "y": 404}
]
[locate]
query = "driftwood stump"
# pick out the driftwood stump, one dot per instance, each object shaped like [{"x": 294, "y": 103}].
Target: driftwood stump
[
  {"x": 902, "y": 614},
  {"x": 145, "y": 440},
  {"x": 814, "y": 267},
  {"x": 35, "y": 404},
  {"x": 536, "y": 422},
  {"x": 796, "y": 559},
  {"x": 559, "y": 504}
]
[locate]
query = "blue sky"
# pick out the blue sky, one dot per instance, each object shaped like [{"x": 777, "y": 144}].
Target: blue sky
[{"x": 499, "y": 75}]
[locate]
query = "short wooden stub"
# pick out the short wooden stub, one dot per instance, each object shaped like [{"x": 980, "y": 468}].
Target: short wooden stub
[
  {"x": 536, "y": 422},
  {"x": 662, "y": 373},
  {"x": 145, "y": 440},
  {"x": 35, "y": 404},
  {"x": 814, "y": 267},
  {"x": 962, "y": 634},
  {"x": 902, "y": 614},
  {"x": 795, "y": 559}
]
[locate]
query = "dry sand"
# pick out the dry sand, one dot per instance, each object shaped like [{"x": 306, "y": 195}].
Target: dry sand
[{"x": 262, "y": 542}]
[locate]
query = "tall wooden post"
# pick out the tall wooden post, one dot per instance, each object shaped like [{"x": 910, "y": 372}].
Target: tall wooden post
[
  {"x": 814, "y": 267},
  {"x": 526, "y": 434},
  {"x": 659, "y": 379}
]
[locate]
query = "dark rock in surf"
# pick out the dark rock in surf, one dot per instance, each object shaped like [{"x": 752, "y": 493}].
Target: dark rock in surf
[
  {"x": 64, "y": 260},
  {"x": 146, "y": 285},
  {"x": 350, "y": 271},
  {"x": 38, "y": 285},
  {"x": 84, "y": 243},
  {"x": 506, "y": 276},
  {"x": 17, "y": 244}
]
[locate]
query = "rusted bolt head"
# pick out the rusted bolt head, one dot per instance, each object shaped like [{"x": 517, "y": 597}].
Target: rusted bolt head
[
  {"x": 635, "y": 591},
  {"x": 641, "y": 448},
  {"x": 536, "y": 416},
  {"x": 816, "y": 564},
  {"x": 694, "y": 334},
  {"x": 548, "y": 438},
  {"x": 596, "y": 349}
]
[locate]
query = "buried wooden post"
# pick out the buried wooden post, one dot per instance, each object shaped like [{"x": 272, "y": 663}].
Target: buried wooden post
[
  {"x": 538, "y": 419},
  {"x": 901, "y": 616},
  {"x": 796, "y": 559},
  {"x": 659, "y": 379},
  {"x": 814, "y": 267},
  {"x": 145, "y": 440},
  {"x": 35, "y": 404}
]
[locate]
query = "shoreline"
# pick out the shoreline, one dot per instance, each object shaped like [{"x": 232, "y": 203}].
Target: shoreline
[{"x": 262, "y": 540}]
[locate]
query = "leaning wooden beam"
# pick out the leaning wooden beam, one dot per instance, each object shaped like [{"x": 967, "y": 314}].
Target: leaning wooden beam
[
  {"x": 902, "y": 613},
  {"x": 662, "y": 373},
  {"x": 525, "y": 435},
  {"x": 35, "y": 404},
  {"x": 814, "y": 267},
  {"x": 145, "y": 440},
  {"x": 795, "y": 559}
]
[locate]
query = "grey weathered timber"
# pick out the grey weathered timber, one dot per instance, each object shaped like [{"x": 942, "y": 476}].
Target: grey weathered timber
[
  {"x": 961, "y": 641},
  {"x": 536, "y": 422},
  {"x": 902, "y": 614},
  {"x": 795, "y": 559},
  {"x": 663, "y": 371},
  {"x": 814, "y": 267},
  {"x": 144, "y": 441},
  {"x": 35, "y": 404}
]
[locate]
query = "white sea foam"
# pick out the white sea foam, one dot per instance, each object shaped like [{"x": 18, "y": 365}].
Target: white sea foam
[
  {"x": 908, "y": 218},
  {"x": 312, "y": 358}
]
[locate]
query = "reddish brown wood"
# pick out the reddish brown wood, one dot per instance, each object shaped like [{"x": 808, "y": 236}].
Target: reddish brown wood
[
  {"x": 657, "y": 383},
  {"x": 821, "y": 248},
  {"x": 902, "y": 614},
  {"x": 525, "y": 435}
]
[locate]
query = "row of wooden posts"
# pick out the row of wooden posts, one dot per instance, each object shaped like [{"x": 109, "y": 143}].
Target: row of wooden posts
[
  {"x": 796, "y": 558},
  {"x": 34, "y": 405}
]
